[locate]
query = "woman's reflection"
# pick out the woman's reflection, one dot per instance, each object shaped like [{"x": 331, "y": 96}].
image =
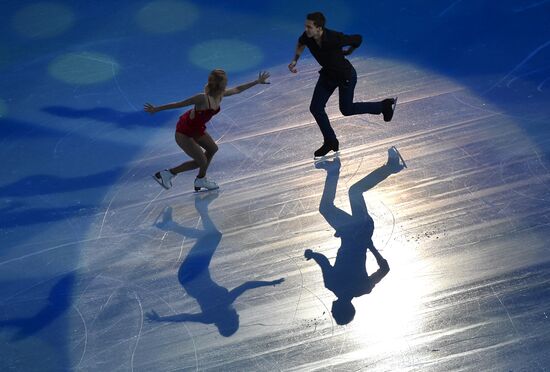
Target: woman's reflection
[{"x": 216, "y": 302}]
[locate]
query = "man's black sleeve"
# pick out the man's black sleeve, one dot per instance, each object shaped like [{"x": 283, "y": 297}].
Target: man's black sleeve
[
  {"x": 302, "y": 39},
  {"x": 351, "y": 40}
]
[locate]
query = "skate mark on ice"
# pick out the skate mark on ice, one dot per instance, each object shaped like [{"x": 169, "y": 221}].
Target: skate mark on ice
[
  {"x": 528, "y": 73},
  {"x": 325, "y": 306},
  {"x": 539, "y": 87},
  {"x": 392, "y": 225},
  {"x": 183, "y": 242},
  {"x": 232, "y": 124},
  {"x": 513, "y": 325},
  {"x": 301, "y": 286},
  {"x": 45, "y": 250},
  {"x": 85, "y": 337},
  {"x": 105, "y": 216},
  {"x": 124, "y": 95},
  {"x": 525, "y": 60},
  {"x": 486, "y": 110},
  {"x": 530, "y": 6},
  {"x": 139, "y": 333},
  {"x": 172, "y": 310},
  {"x": 446, "y": 10}
]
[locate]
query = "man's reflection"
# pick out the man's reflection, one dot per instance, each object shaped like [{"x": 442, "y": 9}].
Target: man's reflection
[
  {"x": 216, "y": 302},
  {"x": 348, "y": 278}
]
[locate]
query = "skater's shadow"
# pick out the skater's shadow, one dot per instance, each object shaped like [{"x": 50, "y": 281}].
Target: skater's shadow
[
  {"x": 348, "y": 277},
  {"x": 108, "y": 115},
  {"x": 215, "y": 301},
  {"x": 59, "y": 301}
]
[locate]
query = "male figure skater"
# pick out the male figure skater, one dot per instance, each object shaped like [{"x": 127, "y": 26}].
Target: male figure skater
[{"x": 329, "y": 49}]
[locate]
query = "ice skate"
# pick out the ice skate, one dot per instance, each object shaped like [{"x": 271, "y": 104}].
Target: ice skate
[
  {"x": 322, "y": 152},
  {"x": 388, "y": 108},
  {"x": 203, "y": 183},
  {"x": 164, "y": 218},
  {"x": 330, "y": 165},
  {"x": 164, "y": 178},
  {"x": 395, "y": 160}
]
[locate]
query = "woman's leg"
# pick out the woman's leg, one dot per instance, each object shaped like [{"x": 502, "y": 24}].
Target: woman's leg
[
  {"x": 210, "y": 148},
  {"x": 192, "y": 148}
]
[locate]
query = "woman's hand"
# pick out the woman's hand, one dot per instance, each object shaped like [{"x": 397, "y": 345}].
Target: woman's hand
[
  {"x": 262, "y": 77},
  {"x": 278, "y": 281},
  {"x": 149, "y": 108}
]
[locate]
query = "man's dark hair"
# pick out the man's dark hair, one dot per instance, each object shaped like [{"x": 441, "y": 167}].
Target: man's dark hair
[{"x": 318, "y": 19}]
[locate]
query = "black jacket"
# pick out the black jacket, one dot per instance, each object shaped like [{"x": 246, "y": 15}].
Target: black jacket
[{"x": 330, "y": 55}]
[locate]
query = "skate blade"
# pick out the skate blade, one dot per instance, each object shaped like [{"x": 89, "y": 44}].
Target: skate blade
[
  {"x": 400, "y": 157},
  {"x": 394, "y": 104},
  {"x": 160, "y": 182},
  {"x": 326, "y": 157},
  {"x": 199, "y": 190}
]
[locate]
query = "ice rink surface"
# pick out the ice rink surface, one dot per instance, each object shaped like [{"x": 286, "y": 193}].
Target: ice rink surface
[{"x": 103, "y": 270}]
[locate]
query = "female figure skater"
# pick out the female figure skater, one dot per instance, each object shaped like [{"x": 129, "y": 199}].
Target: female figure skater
[{"x": 191, "y": 135}]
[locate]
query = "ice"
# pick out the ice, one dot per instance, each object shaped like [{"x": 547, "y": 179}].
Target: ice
[{"x": 102, "y": 269}]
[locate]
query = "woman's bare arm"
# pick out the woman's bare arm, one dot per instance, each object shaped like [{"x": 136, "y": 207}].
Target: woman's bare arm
[
  {"x": 196, "y": 99},
  {"x": 262, "y": 79}
]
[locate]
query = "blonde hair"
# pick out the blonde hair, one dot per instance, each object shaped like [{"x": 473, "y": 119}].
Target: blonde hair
[{"x": 217, "y": 81}]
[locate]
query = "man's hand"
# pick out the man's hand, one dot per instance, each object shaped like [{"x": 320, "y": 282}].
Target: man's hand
[
  {"x": 262, "y": 77},
  {"x": 292, "y": 67},
  {"x": 149, "y": 108}
]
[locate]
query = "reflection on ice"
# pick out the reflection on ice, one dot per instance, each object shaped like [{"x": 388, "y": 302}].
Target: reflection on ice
[
  {"x": 216, "y": 302},
  {"x": 348, "y": 277}
]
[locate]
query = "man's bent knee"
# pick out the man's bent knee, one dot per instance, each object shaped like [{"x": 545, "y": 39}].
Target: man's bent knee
[{"x": 346, "y": 110}]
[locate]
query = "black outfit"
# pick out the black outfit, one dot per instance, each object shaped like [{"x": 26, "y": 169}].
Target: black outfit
[{"x": 336, "y": 72}]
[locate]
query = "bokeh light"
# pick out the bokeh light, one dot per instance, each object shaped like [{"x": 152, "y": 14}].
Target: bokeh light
[
  {"x": 228, "y": 54},
  {"x": 43, "y": 20},
  {"x": 83, "y": 68},
  {"x": 167, "y": 16}
]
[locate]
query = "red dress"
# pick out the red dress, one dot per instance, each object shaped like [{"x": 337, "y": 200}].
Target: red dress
[{"x": 195, "y": 127}]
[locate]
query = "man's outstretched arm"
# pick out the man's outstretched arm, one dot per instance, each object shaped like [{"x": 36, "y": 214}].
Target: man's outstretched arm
[
  {"x": 292, "y": 65},
  {"x": 154, "y": 317},
  {"x": 323, "y": 263}
]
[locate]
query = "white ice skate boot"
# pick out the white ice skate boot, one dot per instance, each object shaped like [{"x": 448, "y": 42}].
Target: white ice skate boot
[
  {"x": 164, "y": 178},
  {"x": 205, "y": 184},
  {"x": 395, "y": 160}
]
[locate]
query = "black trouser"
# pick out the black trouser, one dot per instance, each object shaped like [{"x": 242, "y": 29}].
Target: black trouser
[{"x": 324, "y": 89}]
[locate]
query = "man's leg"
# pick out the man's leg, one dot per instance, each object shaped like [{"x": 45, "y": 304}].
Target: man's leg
[
  {"x": 321, "y": 94},
  {"x": 348, "y": 107}
]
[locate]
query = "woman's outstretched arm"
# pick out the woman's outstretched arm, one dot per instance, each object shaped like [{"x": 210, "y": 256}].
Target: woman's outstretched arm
[
  {"x": 262, "y": 79},
  {"x": 196, "y": 99}
]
